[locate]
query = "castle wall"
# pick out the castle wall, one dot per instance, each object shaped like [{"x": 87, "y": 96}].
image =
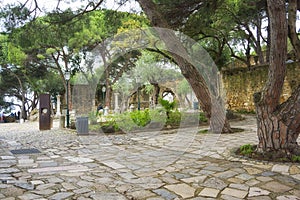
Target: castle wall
[{"x": 241, "y": 83}]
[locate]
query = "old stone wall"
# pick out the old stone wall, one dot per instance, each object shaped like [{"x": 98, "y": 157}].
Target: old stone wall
[{"x": 241, "y": 83}]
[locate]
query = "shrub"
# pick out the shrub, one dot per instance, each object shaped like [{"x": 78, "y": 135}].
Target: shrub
[
  {"x": 246, "y": 149},
  {"x": 174, "y": 118},
  {"x": 295, "y": 158},
  {"x": 129, "y": 121},
  {"x": 167, "y": 105},
  {"x": 158, "y": 115},
  {"x": 125, "y": 122},
  {"x": 111, "y": 122},
  {"x": 202, "y": 117},
  {"x": 141, "y": 118}
]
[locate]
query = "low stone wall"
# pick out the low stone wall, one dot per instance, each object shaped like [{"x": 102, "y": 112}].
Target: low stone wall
[{"x": 241, "y": 83}]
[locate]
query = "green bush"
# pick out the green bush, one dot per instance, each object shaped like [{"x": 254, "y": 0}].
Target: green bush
[
  {"x": 158, "y": 115},
  {"x": 174, "y": 118},
  {"x": 125, "y": 122},
  {"x": 141, "y": 118},
  {"x": 247, "y": 149},
  {"x": 167, "y": 105},
  {"x": 202, "y": 117},
  {"x": 295, "y": 158},
  {"x": 129, "y": 121},
  {"x": 111, "y": 122}
]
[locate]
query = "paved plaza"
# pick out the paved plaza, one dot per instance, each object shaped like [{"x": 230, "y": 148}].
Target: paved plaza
[{"x": 176, "y": 164}]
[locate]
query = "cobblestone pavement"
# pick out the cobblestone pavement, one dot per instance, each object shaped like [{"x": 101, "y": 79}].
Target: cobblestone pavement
[{"x": 157, "y": 165}]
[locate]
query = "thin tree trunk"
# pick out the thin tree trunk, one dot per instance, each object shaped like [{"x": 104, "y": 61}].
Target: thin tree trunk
[
  {"x": 156, "y": 92},
  {"x": 258, "y": 41},
  {"x": 268, "y": 41},
  {"x": 23, "y": 110},
  {"x": 188, "y": 101},
  {"x": 292, "y": 32},
  {"x": 189, "y": 71},
  {"x": 108, "y": 92},
  {"x": 277, "y": 125}
]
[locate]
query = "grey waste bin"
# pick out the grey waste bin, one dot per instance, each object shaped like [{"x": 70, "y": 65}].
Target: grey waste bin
[
  {"x": 196, "y": 105},
  {"x": 82, "y": 125}
]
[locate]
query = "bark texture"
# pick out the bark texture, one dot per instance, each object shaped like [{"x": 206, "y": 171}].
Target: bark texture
[
  {"x": 206, "y": 100},
  {"x": 278, "y": 125}
]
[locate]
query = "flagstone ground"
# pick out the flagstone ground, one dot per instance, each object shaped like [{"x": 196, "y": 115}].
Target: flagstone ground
[{"x": 181, "y": 164}]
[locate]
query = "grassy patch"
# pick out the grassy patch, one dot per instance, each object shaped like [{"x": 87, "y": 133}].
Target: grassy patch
[
  {"x": 281, "y": 156},
  {"x": 234, "y": 130},
  {"x": 203, "y": 131},
  {"x": 247, "y": 149},
  {"x": 296, "y": 158}
]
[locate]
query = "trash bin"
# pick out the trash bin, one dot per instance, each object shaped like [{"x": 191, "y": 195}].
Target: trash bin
[
  {"x": 196, "y": 105},
  {"x": 82, "y": 125}
]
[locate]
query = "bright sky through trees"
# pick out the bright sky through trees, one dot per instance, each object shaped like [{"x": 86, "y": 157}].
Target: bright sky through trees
[{"x": 51, "y": 5}]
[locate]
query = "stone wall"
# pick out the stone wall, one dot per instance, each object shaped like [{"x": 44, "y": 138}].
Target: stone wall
[
  {"x": 241, "y": 83},
  {"x": 83, "y": 99}
]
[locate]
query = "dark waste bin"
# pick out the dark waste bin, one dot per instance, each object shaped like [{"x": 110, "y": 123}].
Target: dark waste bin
[{"x": 82, "y": 125}]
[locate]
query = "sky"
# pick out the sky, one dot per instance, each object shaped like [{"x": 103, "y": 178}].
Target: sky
[{"x": 49, "y": 5}]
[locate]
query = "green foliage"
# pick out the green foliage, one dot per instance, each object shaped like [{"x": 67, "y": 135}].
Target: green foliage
[
  {"x": 204, "y": 131},
  {"x": 148, "y": 89},
  {"x": 15, "y": 55},
  {"x": 130, "y": 121},
  {"x": 140, "y": 118},
  {"x": 47, "y": 82},
  {"x": 111, "y": 122},
  {"x": 136, "y": 120},
  {"x": 295, "y": 158},
  {"x": 247, "y": 149},
  {"x": 158, "y": 115},
  {"x": 183, "y": 87},
  {"x": 59, "y": 41},
  {"x": 154, "y": 68},
  {"x": 202, "y": 117},
  {"x": 174, "y": 118},
  {"x": 14, "y": 15},
  {"x": 167, "y": 105}
]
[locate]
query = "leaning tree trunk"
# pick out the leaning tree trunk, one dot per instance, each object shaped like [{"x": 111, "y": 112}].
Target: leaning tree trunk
[
  {"x": 213, "y": 110},
  {"x": 277, "y": 125}
]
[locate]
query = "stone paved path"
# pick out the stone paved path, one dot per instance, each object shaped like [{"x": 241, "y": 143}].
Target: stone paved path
[{"x": 149, "y": 165}]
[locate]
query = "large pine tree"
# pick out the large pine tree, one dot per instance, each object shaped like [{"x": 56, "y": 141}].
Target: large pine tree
[{"x": 278, "y": 124}]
